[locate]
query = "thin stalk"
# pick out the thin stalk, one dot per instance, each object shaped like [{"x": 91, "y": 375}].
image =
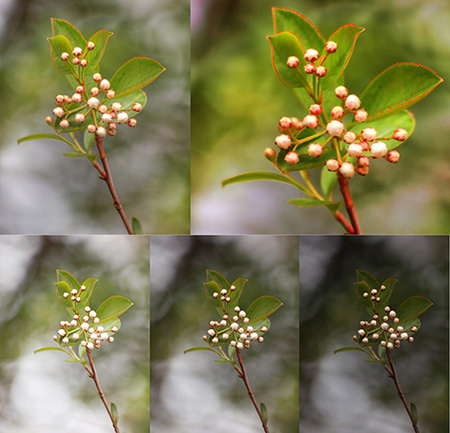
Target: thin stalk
[
  {"x": 108, "y": 179},
  {"x": 345, "y": 191},
  {"x": 93, "y": 375},
  {"x": 243, "y": 376},
  {"x": 393, "y": 376}
]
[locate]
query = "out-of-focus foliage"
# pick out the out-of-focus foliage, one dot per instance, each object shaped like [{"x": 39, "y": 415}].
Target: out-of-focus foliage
[
  {"x": 40, "y": 392},
  {"x": 342, "y": 393},
  {"x": 238, "y": 100},
  {"x": 44, "y": 192},
  {"x": 188, "y": 391}
]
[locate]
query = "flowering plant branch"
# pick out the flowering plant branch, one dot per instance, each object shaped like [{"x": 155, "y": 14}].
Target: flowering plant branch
[
  {"x": 98, "y": 106},
  {"x": 237, "y": 328},
  {"x": 87, "y": 328},
  {"x": 387, "y": 328},
  {"x": 341, "y": 132}
]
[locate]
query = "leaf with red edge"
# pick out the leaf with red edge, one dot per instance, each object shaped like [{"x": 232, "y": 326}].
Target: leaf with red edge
[
  {"x": 63, "y": 27},
  {"x": 94, "y": 56},
  {"x": 397, "y": 88},
  {"x": 306, "y": 32},
  {"x": 285, "y": 45},
  {"x": 345, "y": 37},
  {"x": 58, "y": 45}
]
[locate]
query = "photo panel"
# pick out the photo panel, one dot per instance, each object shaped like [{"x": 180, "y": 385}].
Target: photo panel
[
  {"x": 50, "y": 391},
  {"x": 190, "y": 392},
  {"x": 350, "y": 390}
]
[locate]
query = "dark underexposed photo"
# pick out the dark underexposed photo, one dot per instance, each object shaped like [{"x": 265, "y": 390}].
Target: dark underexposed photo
[{"x": 374, "y": 340}]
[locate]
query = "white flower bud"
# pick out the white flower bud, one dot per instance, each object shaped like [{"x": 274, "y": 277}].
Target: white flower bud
[
  {"x": 115, "y": 106},
  {"x": 234, "y": 326},
  {"x": 383, "y": 343},
  {"x": 260, "y": 339},
  {"x": 233, "y": 343},
  {"x": 65, "y": 340},
  {"x": 83, "y": 63},
  {"x": 226, "y": 336},
  {"x": 239, "y": 345},
  {"x": 341, "y": 92},
  {"x": 80, "y": 89},
  {"x": 390, "y": 345},
  {"x": 243, "y": 336},
  {"x": 373, "y": 323},
  {"x": 211, "y": 332},
  {"x": 249, "y": 328},
  {"x": 215, "y": 340},
  {"x": 110, "y": 94},
  {"x": 315, "y": 150},
  {"x": 80, "y": 118},
  {"x": 65, "y": 56},
  {"x": 105, "y": 84},
  {"x": 61, "y": 332},
  {"x": 114, "y": 329},
  {"x": 361, "y": 115},
  {"x": 91, "y": 128},
  {"x": 292, "y": 62},
  {"x": 335, "y": 128},
  {"x": 321, "y": 71},
  {"x": 378, "y": 150},
  {"x": 369, "y": 134},
  {"x": 94, "y": 336},
  {"x": 393, "y": 156},
  {"x": 58, "y": 112},
  {"x": 90, "y": 345},
  {"x": 292, "y": 158},
  {"x": 223, "y": 323},
  {"x": 354, "y": 150},
  {"x": 90, "y": 45},
  {"x": 263, "y": 328},
  {"x": 93, "y": 103},
  {"x": 352, "y": 102},
  {"x": 337, "y": 112},
  {"x": 393, "y": 336},
  {"x": 361, "y": 332},
  {"x": 404, "y": 335},
  {"x": 315, "y": 109},
  {"x": 237, "y": 309},
  {"x": 77, "y": 98},
  {"x": 95, "y": 91},
  {"x": 400, "y": 134},
  {"x": 100, "y": 132},
  {"x": 77, "y": 51},
  {"x": 349, "y": 137},
  {"x": 384, "y": 326},
  {"x": 311, "y": 55},
  {"x": 331, "y": 47},
  {"x": 283, "y": 141},
  {"x": 392, "y": 313},
  {"x": 365, "y": 340},
  {"x": 242, "y": 314},
  {"x": 376, "y": 336},
  {"x": 97, "y": 77},
  {"x": 332, "y": 165},
  {"x": 347, "y": 170},
  {"x": 65, "y": 295},
  {"x": 215, "y": 295},
  {"x": 96, "y": 320},
  {"x": 138, "y": 107},
  {"x": 411, "y": 339},
  {"x": 310, "y": 121},
  {"x": 309, "y": 68},
  {"x": 253, "y": 336},
  {"x": 414, "y": 329}
]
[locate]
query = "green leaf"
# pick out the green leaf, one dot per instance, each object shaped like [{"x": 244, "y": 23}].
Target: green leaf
[
  {"x": 345, "y": 349},
  {"x": 412, "y": 307},
  {"x": 264, "y": 413},
  {"x": 42, "y": 137},
  {"x": 262, "y": 307},
  {"x": 361, "y": 288},
  {"x": 135, "y": 74},
  {"x": 136, "y": 226},
  {"x": 211, "y": 288},
  {"x": 345, "y": 37},
  {"x": 369, "y": 279},
  {"x": 81, "y": 351},
  {"x": 285, "y": 45},
  {"x": 386, "y": 294},
  {"x": 311, "y": 202},
  {"x": 408, "y": 324},
  {"x": 58, "y": 45},
  {"x": 397, "y": 88},
  {"x": 259, "y": 323},
  {"x": 306, "y": 162},
  {"x": 45, "y": 349},
  {"x": 66, "y": 276},
  {"x": 381, "y": 351},
  {"x": 218, "y": 278},
  {"x": 94, "y": 56},
  {"x": 79, "y": 155},
  {"x": 109, "y": 323},
  {"x": 195, "y": 349},
  {"x": 61, "y": 288},
  {"x": 114, "y": 413},
  {"x": 306, "y": 32},
  {"x": 88, "y": 140},
  {"x": 328, "y": 180},
  {"x": 414, "y": 413},
  {"x": 231, "y": 351},
  {"x": 257, "y": 175},
  {"x": 112, "y": 307},
  {"x": 386, "y": 126},
  {"x": 236, "y": 294},
  {"x": 127, "y": 101},
  {"x": 86, "y": 294},
  {"x": 63, "y": 27}
]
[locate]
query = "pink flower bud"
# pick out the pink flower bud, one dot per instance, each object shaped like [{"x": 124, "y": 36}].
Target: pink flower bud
[
  {"x": 362, "y": 171},
  {"x": 95, "y": 91},
  {"x": 110, "y": 94},
  {"x": 77, "y": 51},
  {"x": 132, "y": 122},
  {"x": 352, "y": 102},
  {"x": 337, "y": 112},
  {"x": 122, "y": 117},
  {"x": 354, "y": 150},
  {"x": 393, "y": 156},
  {"x": 77, "y": 98},
  {"x": 315, "y": 109},
  {"x": 105, "y": 85},
  {"x": 101, "y": 132},
  {"x": 335, "y": 128},
  {"x": 361, "y": 115},
  {"x": 91, "y": 128},
  {"x": 79, "y": 118},
  {"x": 349, "y": 137},
  {"x": 115, "y": 106},
  {"x": 285, "y": 123},
  {"x": 65, "y": 56},
  {"x": 90, "y": 45},
  {"x": 364, "y": 161},
  {"x": 297, "y": 123},
  {"x": 378, "y": 150},
  {"x": 136, "y": 107},
  {"x": 333, "y": 165},
  {"x": 310, "y": 121},
  {"x": 315, "y": 149},
  {"x": 97, "y": 77},
  {"x": 80, "y": 89},
  {"x": 269, "y": 154},
  {"x": 341, "y": 92},
  {"x": 103, "y": 109},
  {"x": 309, "y": 68},
  {"x": 369, "y": 134},
  {"x": 400, "y": 134},
  {"x": 331, "y": 47},
  {"x": 311, "y": 55},
  {"x": 106, "y": 118},
  {"x": 347, "y": 170},
  {"x": 76, "y": 61},
  {"x": 93, "y": 103},
  {"x": 58, "y": 112},
  {"x": 321, "y": 71},
  {"x": 83, "y": 63},
  {"x": 283, "y": 141},
  {"x": 292, "y": 62},
  {"x": 64, "y": 123}
]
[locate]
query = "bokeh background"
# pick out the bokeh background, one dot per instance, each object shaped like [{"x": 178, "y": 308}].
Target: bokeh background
[
  {"x": 43, "y": 192},
  {"x": 341, "y": 393},
  {"x": 190, "y": 393},
  {"x": 40, "y": 393},
  {"x": 237, "y": 100}
]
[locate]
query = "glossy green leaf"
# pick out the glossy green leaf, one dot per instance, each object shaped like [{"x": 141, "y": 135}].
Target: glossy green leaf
[
  {"x": 312, "y": 202},
  {"x": 345, "y": 349},
  {"x": 263, "y": 307},
  {"x": 211, "y": 288},
  {"x": 368, "y": 278},
  {"x": 285, "y": 45},
  {"x": 257, "y": 175},
  {"x": 81, "y": 351},
  {"x": 231, "y": 351},
  {"x": 43, "y": 137},
  {"x": 361, "y": 288},
  {"x": 386, "y": 126},
  {"x": 88, "y": 140},
  {"x": 79, "y": 155},
  {"x": 385, "y": 295},
  {"x": 127, "y": 101},
  {"x": 264, "y": 412},
  {"x": 135, "y": 74},
  {"x": 306, "y": 32},
  {"x": 136, "y": 226},
  {"x": 94, "y": 56},
  {"x": 413, "y": 307},
  {"x": 45, "y": 349},
  {"x": 109, "y": 323},
  {"x": 112, "y": 307},
  {"x": 397, "y": 88},
  {"x": 345, "y": 37},
  {"x": 306, "y": 162},
  {"x": 259, "y": 323},
  {"x": 114, "y": 412},
  {"x": 58, "y": 45},
  {"x": 328, "y": 180},
  {"x": 381, "y": 351},
  {"x": 63, "y": 27},
  {"x": 87, "y": 293},
  {"x": 67, "y": 276},
  {"x": 61, "y": 288},
  {"x": 218, "y": 278},
  {"x": 195, "y": 349},
  {"x": 236, "y": 294}
]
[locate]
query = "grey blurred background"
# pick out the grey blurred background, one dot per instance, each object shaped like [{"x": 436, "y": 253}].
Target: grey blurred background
[
  {"x": 341, "y": 393},
  {"x": 238, "y": 99},
  {"x": 190, "y": 393},
  {"x": 40, "y": 393},
  {"x": 43, "y": 192}
]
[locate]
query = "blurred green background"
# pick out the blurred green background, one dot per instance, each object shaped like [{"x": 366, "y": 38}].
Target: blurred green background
[
  {"x": 237, "y": 100},
  {"x": 190, "y": 393},
  {"x": 341, "y": 393},
  {"x": 43, "y": 192},
  {"x": 40, "y": 393}
]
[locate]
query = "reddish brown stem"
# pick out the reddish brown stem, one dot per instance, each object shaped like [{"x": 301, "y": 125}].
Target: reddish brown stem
[
  {"x": 345, "y": 191},
  {"x": 243, "y": 376},
  {"x": 393, "y": 376},
  {"x": 93, "y": 375},
  {"x": 341, "y": 220},
  {"x": 108, "y": 179}
]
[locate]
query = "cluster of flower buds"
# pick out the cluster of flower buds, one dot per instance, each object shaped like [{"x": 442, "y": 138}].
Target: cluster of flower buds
[
  {"x": 78, "y": 55},
  {"x": 235, "y": 327},
  {"x": 356, "y": 143},
  {"x": 104, "y": 114},
  {"x": 313, "y": 59},
  {"x": 84, "y": 327},
  {"x": 385, "y": 329}
]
